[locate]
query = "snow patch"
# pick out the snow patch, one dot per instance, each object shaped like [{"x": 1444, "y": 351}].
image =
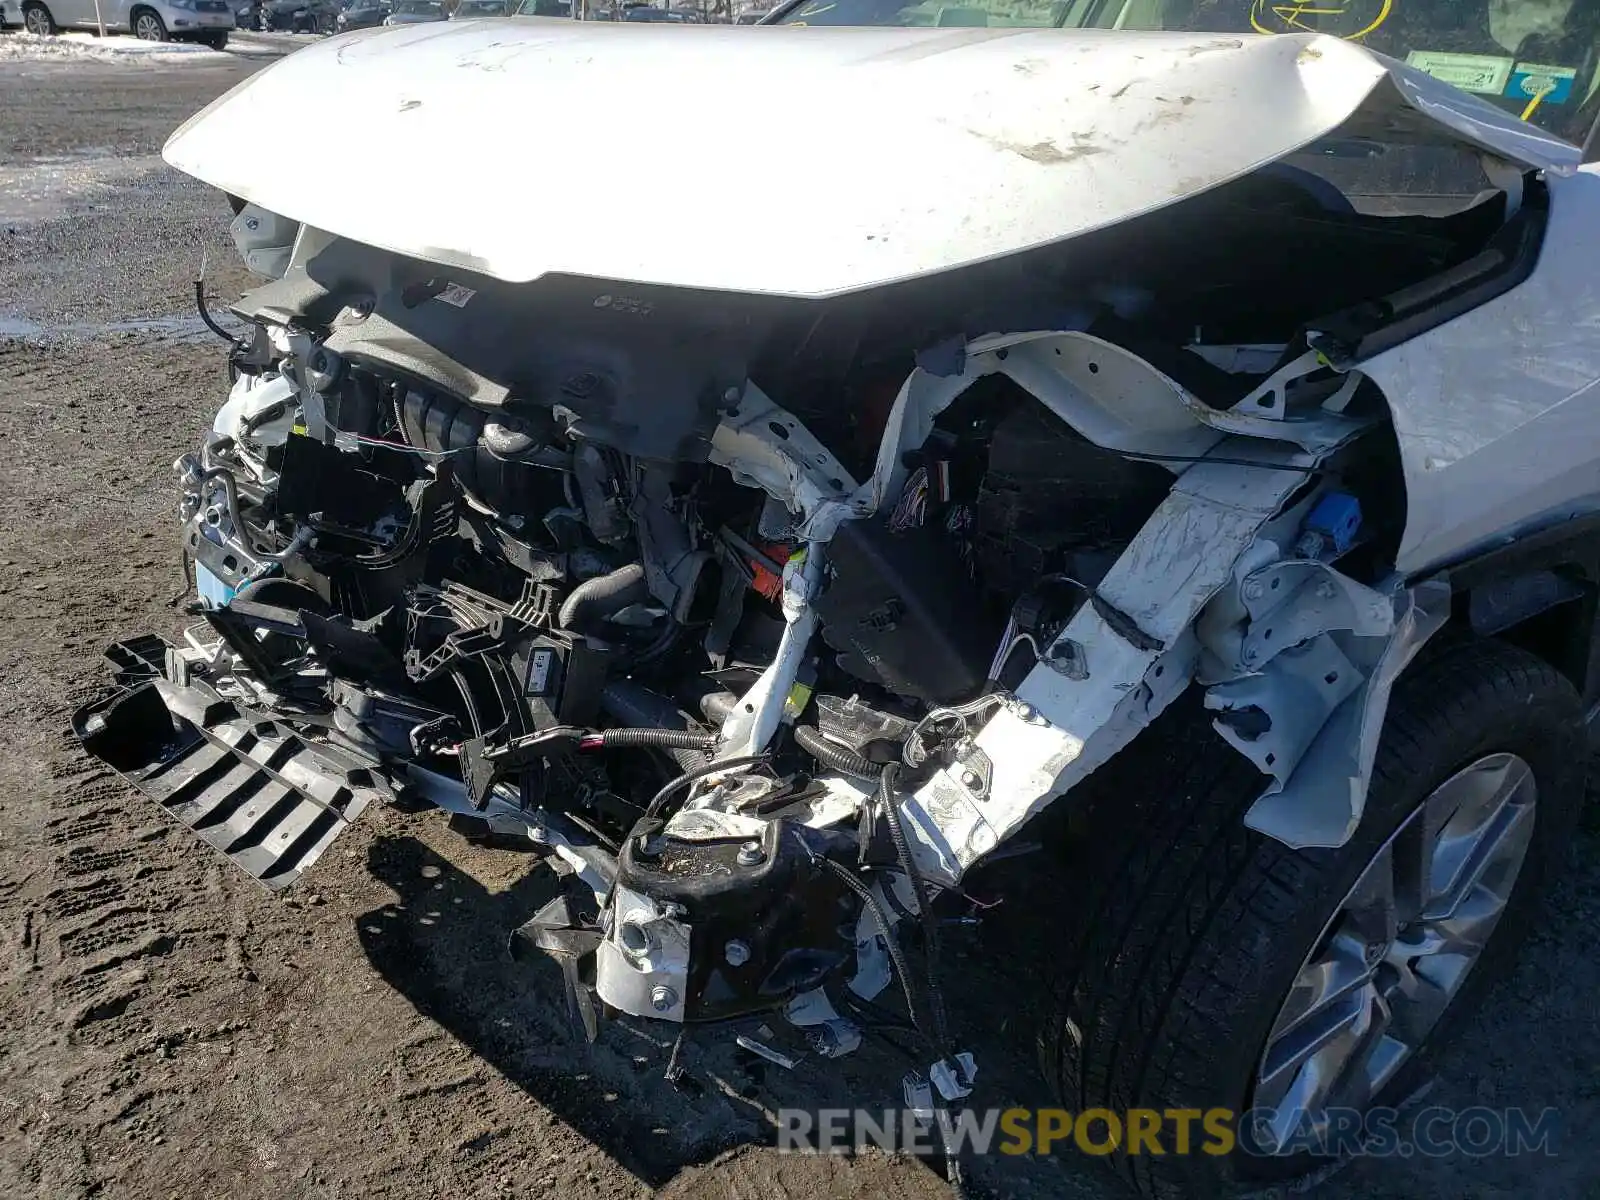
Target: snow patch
[{"x": 113, "y": 48}]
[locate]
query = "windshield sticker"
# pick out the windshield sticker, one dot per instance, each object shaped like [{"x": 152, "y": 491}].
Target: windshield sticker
[
  {"x": 1485, "y": 74},
  {"x": 1535, "y": 81},
  {"x": 1347, "y": 19}
]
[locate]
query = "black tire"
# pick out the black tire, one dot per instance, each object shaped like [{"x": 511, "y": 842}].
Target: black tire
[
  {"x": 36, "y": 19},
  {"x": 1196, "y": 925},
  {"x": 217, "y": 41},
  {"x": 148, "y": 26}
]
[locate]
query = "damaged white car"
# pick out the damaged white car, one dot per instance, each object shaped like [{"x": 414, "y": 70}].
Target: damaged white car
[{"x": 1182, "y": 429}]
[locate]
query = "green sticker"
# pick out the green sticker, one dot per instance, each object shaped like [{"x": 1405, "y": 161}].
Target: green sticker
[{"x": 1485, "y": 74}]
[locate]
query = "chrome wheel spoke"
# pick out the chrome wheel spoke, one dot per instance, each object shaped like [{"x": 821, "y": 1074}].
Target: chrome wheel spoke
[
  {"x": 1372, "y": 910},
  {"x": 1466, "y": 930},
  {"x": 1470, "y": 819},
  {"x": 1342, "y": 1063},
  {"x": 1356, "y": 1085},
  {"x": 1321, "y": 991},
  {"x": 1303, "y": 1066},
  {"x": 1422, "y": 992}
]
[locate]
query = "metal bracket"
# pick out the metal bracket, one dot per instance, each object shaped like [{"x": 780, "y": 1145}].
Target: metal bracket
[
  {"x": 1292, "y": 601},
  {"x": 1297, "y": 691}
]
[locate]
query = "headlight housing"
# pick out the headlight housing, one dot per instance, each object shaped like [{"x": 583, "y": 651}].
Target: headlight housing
[{"x": 185, "y": 5}]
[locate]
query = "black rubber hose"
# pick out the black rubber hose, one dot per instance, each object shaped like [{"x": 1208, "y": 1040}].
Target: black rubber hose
[
  {"x": 848, "y": 878},
  {"x": 634, "y": 706},
  {"x": 208, "y": 320},
  {"x": 268, "y": 414},
  {"x": 930, "y": 926},
  {"x": 846, "y": 762},
  {"x": 603, "y": 595},
  {"x": 666, "y": 739}
]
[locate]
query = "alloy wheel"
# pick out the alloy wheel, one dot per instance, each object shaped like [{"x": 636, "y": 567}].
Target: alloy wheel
[{"x": 1397, "y": 950}]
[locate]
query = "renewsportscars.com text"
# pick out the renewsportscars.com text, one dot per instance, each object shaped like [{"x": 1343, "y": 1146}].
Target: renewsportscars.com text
[{"x": 1433, "y": 1132}]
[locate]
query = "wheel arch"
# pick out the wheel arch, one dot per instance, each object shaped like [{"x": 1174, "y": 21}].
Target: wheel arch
[{"x": 1542, "y": 593}]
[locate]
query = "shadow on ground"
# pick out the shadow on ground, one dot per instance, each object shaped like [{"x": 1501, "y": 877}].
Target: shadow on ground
[{"x": 442, "y": 945}]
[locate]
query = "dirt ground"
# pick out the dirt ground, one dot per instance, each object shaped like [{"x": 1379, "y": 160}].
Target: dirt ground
[{"x": 167, "y": 1029}]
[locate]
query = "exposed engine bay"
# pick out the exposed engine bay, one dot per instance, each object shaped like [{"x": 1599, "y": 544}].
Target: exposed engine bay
[{"x": 768, "y": 619}]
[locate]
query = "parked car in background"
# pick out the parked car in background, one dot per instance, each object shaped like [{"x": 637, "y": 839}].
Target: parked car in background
[
  {"x": 291, "y": 16},
  {"x": 208, "y": 21},
  {"x": 543, "y": 8},
  {"x": 415, "y": 12},
  {"x": 648, "y": 12},
  {"x": 362, "y": 14},
  {"x": 467, "y": 10}
]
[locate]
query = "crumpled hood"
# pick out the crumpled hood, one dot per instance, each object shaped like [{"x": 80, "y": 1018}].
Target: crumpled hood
[{"x": 792, "y": 161}]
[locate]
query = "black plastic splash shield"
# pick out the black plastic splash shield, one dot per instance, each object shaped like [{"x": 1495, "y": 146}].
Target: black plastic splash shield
[{"x": 243, "y": 782}]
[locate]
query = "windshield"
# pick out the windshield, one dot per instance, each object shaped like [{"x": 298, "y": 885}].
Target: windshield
[
  {"x": 419, "y": 8},
  {"x": 1535, "y": 58},
  {"x": 481, "y": 8}
]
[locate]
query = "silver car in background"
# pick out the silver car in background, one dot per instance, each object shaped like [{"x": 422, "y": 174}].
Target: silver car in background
[
  {"x": 208, "y": 21},
  {"x": 416, "y": 12}
]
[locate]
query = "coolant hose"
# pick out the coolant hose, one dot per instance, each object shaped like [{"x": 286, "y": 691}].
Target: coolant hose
[
  {"x": 603, "y": 596},
  {"x": 834, "y": 756}
]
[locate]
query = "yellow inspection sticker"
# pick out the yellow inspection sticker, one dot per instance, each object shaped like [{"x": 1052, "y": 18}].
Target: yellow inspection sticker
[{"x": 1486, "y": 74}]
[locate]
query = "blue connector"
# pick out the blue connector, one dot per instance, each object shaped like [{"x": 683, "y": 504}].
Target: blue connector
[{"x": 1332, "y": 526}]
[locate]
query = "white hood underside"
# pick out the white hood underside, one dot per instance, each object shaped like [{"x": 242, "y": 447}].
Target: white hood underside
[{"x": 790, "y": 161}]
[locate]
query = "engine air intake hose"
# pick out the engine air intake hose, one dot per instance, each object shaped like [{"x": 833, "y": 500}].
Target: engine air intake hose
[
  {"x": 603, "y": 596},
  {"x": 830, "y": 754},
  {"x": 445, "y": 425}
]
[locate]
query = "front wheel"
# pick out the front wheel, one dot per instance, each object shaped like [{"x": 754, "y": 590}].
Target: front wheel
[
  {"x": 148, "y": 27},
  {"x": 36, "y": 19},
  {"x": 1225, "y": 970}
]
